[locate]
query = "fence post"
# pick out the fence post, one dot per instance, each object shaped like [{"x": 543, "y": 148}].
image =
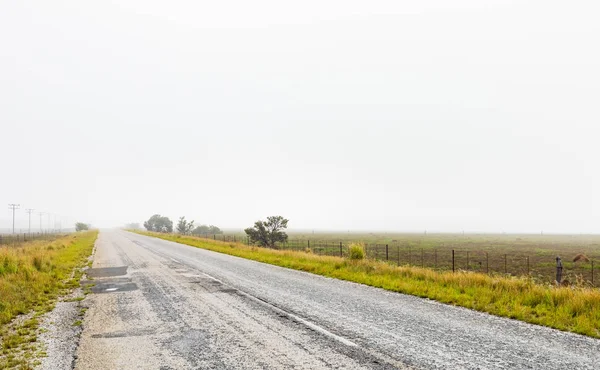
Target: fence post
[
  {"x": 398, "y": 248},
  {"x": 308, "y": 244},
  {"x": 559, "y": 268},
  {"x": 387, "y": 254},
  {"x": 592, "y": 272},
  {"x": 340, "y": 249},
  {"x": 453, "y": 260},
  {"x": 409, "y": 257},
  {"x": 214, "y": 237}
]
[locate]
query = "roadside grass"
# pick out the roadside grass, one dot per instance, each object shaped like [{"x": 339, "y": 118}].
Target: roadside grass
[
  {"x": 32, "y": 277},
  {"x": 573, "y": 309}
]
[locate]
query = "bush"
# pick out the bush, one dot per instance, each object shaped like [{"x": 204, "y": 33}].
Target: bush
[{"x": 357, "y": 251}]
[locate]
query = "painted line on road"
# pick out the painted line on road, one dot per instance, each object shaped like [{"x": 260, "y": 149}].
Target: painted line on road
[
  {"x": 296, "y": 318},
  {"x": 174, "y": 260}
]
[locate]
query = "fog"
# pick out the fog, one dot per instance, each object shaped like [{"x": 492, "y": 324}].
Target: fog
[{"x": 342, "y": 115}]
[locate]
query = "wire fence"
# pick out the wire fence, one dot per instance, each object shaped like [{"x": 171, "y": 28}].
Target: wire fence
[
  {"x": 20, "y": 238},
  {"x": 541, "y": 267}
]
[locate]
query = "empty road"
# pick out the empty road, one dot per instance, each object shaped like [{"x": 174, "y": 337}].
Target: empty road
[{"x": 163, "y": 305}]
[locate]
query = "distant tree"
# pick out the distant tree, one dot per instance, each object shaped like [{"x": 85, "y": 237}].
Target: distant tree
[
  {"x": 207, "y": 230},
  {"x": 133, "y": 226},
  {"x": 80, "y": 226},
  {"x": 268, "y": 233},
  {"x": 184, "y": 227},
  {"x": 158, "y": 223},
  {"x": 214, "y": 230},
  {"x": 201, "y": 230}
]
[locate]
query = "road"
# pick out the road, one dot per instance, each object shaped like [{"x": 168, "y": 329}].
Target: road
[{"x": 163, "y": 305}]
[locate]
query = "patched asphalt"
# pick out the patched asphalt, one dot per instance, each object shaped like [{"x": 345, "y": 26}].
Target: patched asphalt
[{"x": 164, "y": 305}]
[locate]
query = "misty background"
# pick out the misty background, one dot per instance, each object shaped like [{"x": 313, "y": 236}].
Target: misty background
[{"x": 345, "y": 115}]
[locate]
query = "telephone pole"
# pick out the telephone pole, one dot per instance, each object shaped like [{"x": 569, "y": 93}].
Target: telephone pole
[
  {"x": 29, "y": 211},
  {"x": 14, "y": 207},
  {"x": 41, "y": 214}
]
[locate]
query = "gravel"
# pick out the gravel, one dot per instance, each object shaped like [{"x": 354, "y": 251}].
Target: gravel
[
  {"x": 183, "y": 307},
  {"x": 59, "y": 336}
]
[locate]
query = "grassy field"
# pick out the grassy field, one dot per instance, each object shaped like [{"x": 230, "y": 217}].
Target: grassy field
[
  {"x": 32, "y": 276},
  {"x": 575, "y": 309},
  {"x": 507, "y": 254}
]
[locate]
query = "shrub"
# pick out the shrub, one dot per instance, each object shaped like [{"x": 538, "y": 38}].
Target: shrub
[{"x": 357, "y": 251}]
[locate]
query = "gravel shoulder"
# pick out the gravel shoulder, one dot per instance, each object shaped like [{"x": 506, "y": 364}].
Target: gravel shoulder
[{"x": 183, "y": 307}]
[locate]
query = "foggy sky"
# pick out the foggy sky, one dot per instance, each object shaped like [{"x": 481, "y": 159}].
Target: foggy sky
[{"x": 381, "y": 115}]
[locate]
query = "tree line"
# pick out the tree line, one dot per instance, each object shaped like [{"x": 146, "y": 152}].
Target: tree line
[
  {"x": 163, "y": 224},
  {"x": 264, "y": 233}
]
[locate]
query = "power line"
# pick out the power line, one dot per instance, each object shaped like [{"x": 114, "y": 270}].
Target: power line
[
  {"x": 29, "y": 211},
  {"x": 13, "y": 207}
]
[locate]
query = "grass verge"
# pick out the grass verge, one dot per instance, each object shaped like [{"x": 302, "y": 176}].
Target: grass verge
[
  {"x": 32, "y": 276},
  {"x": 574, "y": 309}
]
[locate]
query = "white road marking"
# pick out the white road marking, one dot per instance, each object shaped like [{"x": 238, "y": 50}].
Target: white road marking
[
  {"x": 111, "y": 289},
  {"x": 291, "y": 316},
  {"x": 174, "y": 260}
]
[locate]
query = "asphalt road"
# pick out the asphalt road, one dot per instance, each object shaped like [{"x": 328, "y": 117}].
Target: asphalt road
[{"x": 178, "y": 307}]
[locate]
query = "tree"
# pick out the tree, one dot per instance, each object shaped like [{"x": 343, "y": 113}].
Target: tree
[
  {"x": 201, "y": 230},
  {"x": 206, "y": 230},
  {"x": 158, "y": 223},
  {"x": 184, "y": 227},
  {"x": 214, "y": 230},
  {"x": 268, "y": 233},
  {"x": 133, "y": 226},
  {"x": 80, "y": 226}
]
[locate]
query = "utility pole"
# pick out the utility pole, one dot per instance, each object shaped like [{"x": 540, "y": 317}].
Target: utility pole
[
  {"x": 13, "y": 207},
  {"x": 29, "y": 211},
  {"x": 41, "y": 214}
]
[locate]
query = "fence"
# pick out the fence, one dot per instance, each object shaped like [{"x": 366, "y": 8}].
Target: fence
[
  {"x": 19, "y": 238},
  {"x": 540, "y": 267}
]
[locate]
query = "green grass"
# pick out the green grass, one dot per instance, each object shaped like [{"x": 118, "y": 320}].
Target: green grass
[
  {"x": 574, "y": 309},
  {"x": 32, "y": 276}
]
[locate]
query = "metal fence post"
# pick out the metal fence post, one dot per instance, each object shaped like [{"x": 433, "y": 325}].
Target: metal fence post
[
  {"x": 398, "y": 250},
  {"x": 387, "y": 253},
  {"x": 340, "y": 249},
  {"x": 592, "y": 272},
  {"x": 453, "y": 260}
]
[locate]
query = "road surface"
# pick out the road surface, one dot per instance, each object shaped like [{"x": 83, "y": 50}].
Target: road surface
[{"x": 163, "y": 305}]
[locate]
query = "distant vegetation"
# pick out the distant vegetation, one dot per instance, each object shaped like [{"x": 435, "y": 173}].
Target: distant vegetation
[
  {"x": 184, "y": 227},
  {"x": 133, "y": 226},
  {"x": 268, "y": 233},
  {"x": 160, "y": 224},
  {"x": 207, "y": 230},
  {"x": 80, "y": 226}
]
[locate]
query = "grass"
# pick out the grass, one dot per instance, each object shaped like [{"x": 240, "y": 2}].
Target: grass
[
  {"x": 574, "y": 309},
  {"x": 32, "y": 277},
  {"x": 513, "y": 254}
]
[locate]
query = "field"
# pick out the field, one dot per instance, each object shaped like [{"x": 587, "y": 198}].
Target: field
[
  {"x": 575, "y": 309},
  {"x": 509, "y": 254},
  {"x": 32, "y": 276}
]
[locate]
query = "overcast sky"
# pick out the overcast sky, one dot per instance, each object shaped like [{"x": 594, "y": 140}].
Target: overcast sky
[{"x": 361, "y": 115}]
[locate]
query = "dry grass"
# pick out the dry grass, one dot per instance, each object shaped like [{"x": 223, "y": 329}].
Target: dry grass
[
  {"x": 575, "y": 309},
  {"x": 32, "y": 276}
]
